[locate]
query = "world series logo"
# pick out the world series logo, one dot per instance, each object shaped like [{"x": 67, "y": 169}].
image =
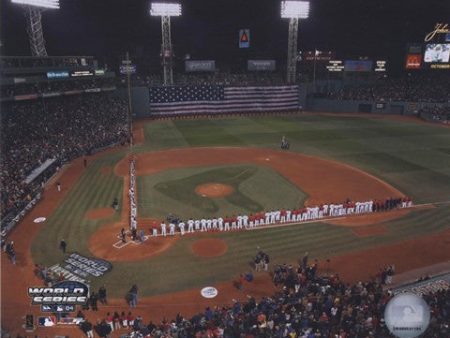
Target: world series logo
[{"x": 61, "y": 297}]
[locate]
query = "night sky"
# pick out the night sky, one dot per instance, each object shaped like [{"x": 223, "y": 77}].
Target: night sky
[{"x": 209, "y": 29}]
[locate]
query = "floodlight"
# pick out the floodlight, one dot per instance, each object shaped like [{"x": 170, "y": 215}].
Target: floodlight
[
  {"x": 295, "y": 9},
  {"x": 165, "y": 9},
  {"x": 52, "y": 4}
]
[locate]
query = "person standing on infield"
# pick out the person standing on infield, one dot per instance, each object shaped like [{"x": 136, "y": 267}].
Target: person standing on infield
[{"x": 63, "y": 245}]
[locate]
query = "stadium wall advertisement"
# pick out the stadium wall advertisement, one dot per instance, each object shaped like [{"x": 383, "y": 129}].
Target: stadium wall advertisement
[
  {"x": 200, "y": 66},
  {"x": 261, "y": 65},
  {"x": 377, "y": 107}
]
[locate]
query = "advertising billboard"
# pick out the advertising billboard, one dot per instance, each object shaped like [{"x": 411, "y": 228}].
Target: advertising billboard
[
  {"x": 261, "y": 65},
  {"x": 358, "y": 65},
  {"x": 200, "y": 66},
  {"x": 244, "y": 38},
  {"x": 437, "y": 53},
  {"x": 58, "y": 74},
  {"x": 413, "y": 61},
  {"x": 380, "y": 66},
  {"x": 335, "y": 66}
]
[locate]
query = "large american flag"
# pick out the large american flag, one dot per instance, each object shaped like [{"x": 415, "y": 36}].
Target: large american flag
[{"x": 222, "y": 99}]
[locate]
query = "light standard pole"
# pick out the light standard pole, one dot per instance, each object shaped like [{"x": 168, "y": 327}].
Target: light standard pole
[
  {"x": 165, "y": 11},
  {"x": 33, "y": 13},
  {"x": 294, "y": 11}
]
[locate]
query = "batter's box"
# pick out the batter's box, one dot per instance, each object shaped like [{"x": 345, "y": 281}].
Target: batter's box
[{"x": 120, "y": 244}]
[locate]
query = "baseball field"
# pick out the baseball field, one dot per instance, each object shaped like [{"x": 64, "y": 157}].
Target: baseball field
[{"x": 228, "y": 166}]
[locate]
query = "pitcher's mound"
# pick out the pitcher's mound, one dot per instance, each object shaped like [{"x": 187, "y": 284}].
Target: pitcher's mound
[
  {"x": 214, "y": 190},
  {"x": 94, "y": 214},
  {"x": 209, "y": 247}
]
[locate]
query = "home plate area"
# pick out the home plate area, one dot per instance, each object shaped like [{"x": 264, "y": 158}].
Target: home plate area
[{"x": 120, "y": 244}]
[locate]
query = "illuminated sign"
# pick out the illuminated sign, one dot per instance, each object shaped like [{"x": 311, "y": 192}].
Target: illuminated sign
[
  {"x": 82, "y": 73},
  {"x": 413, "y": 61},
  {"x": 439, "y": 53},
  {"x": 358, "y": 65},
  {"x": 380, "y": 66},
  {"x": 440, "y": 66},
  {"x": 244, "y": 38},
  {"x": 335, "y": 66},
  {"x": 261, "y": 65},
  {"x": 318, "y": 55},
  {"x": 440, "y": 28},
  {"x": 128, "y": 69},
  {"x": 99, "y": 72},
  {"x": 56, "y": 75},
  {"x": 200, "y": 66}
]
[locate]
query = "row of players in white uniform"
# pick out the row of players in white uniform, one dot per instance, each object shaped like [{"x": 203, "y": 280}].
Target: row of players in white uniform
[
  {"x": 132, "y": 195},
  {"x": 266, "y": 218}
]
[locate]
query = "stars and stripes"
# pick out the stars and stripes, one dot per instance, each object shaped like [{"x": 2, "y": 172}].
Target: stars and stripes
[{"x": 222, "y": 99}]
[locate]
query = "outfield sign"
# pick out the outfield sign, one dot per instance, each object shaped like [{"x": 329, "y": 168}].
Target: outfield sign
[
  {"x": 244, "y": 38},
  {"x": 127, "y": 69},
  {"x": 200, "y": 65},
  {"x": 261, "y": 65},
  {"x": 85, "y": 266}
]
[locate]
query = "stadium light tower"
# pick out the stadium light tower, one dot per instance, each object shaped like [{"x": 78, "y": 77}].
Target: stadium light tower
[
  {"x": 165, "y": 11},
  {"x": 293, "y": 10},
  {"x": 33, "y": 12}
]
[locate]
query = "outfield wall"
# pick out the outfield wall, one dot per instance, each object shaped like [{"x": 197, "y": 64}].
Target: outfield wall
[{"x": 140, "y": 104}]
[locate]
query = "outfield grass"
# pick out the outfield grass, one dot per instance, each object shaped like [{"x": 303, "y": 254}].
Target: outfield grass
[
  {"x": 414, "y": 158},
  {"x": 173, "y": 191}
]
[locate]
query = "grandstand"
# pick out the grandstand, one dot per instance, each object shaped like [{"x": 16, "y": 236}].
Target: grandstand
[{"x": 225, "y": 182}]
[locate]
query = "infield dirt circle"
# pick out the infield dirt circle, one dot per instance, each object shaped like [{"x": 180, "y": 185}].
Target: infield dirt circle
[
  {"x": 209, "y": 247},
  {"x": 214, "y": 190}
]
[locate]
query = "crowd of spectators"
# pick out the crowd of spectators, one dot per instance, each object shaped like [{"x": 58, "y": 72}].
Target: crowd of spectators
[
  {"x": 38, "y": 62},
  {"x": 217, "y": 78},
  {"x": 60, "y": 128},
  {"x": 414, "y": 88},
  {"x": 435, "y": 113},
  {"x": 55, "y": 86},
  {"x": 307, "y": 305}
]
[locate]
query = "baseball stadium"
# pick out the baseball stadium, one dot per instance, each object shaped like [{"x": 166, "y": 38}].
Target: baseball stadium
[{"x": 189, "y": 169}]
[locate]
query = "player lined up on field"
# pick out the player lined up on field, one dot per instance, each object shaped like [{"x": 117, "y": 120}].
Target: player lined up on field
[{"x": 278, "y": 217}]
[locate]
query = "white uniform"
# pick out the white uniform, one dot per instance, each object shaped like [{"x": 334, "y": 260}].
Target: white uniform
[
  {"x": 181, "y": 226},
  {"x": 197, "y": 224},
  {"x": 220, "y": 221},
  {"x": 203, "y": 223},
  {"x": 208, "y": 224},
  {"x": 267, "y": 214},
  {"x": 315, "y": 212},
  {"x": 272, "y": 217},
  {"x": 214, "y": 223},
  {"x": 245, "y": 221},
  {"x": 171, "y": 229},
  {"x": 163, "y": 229},
  {"x": 277, "y": 215},
  {"x": 288, "y": 215},
  {"x": 226, "y": 225},
  {"x": 190, "y": 226},
  {"x": 155, "y": 232}
]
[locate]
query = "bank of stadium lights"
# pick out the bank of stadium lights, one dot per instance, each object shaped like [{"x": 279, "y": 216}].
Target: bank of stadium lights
[
  {"x": 165, "y": 11},
  {"x": 52, "y": 4},
  {"x": 33, "y": 12},
  {"x": 293, "y": 10}
]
